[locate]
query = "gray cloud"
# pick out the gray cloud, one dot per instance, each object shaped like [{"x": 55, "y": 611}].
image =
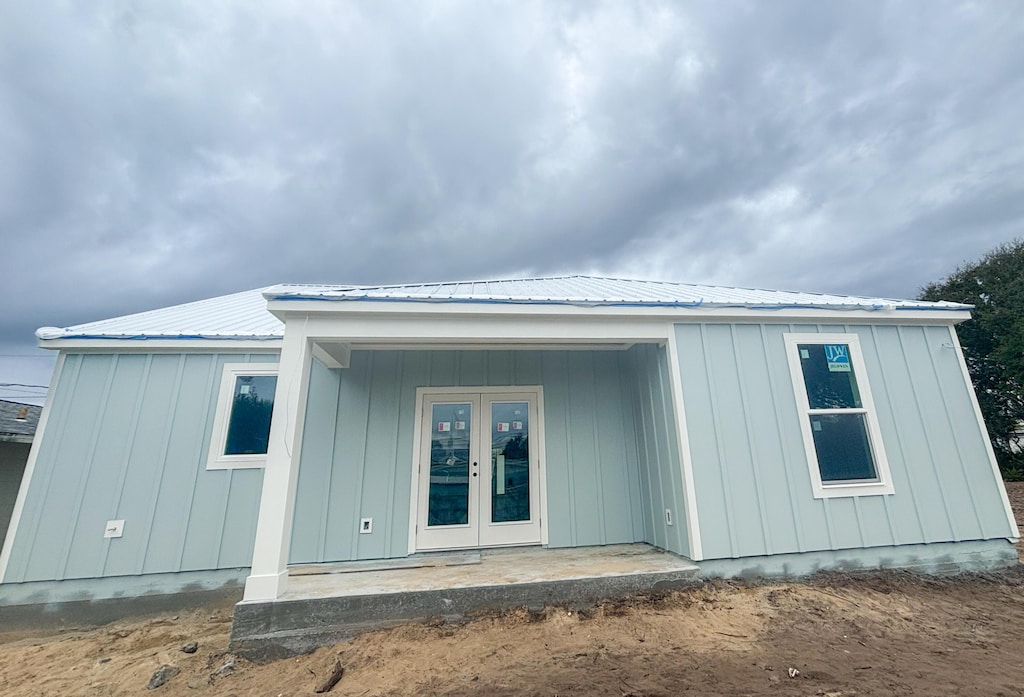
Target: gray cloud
[{"x": 158, "y": 153}]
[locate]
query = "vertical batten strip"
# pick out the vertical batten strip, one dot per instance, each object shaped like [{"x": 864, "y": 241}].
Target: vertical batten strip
[
  {"x": 638, "y": 393},
  {"x": 147, "y": 531},
  {"x": 956, "y": 439},
  {"x": 599, "y": 462},
  {"x": 1010, "y": 519},
  {"x": 129, "y": 448},
  {"x": 928, "y": 439},
  {"x": 723, "y": 466},
  {"x": 787, "y": 458},
  {"x": 389, "y": 508},
  {"x": 656, "y": 466},
  {"x": 357, "y": 504},
  {"x": 200, "y": 466},
  {"x": 83, "y": 480},
  {"x": 766, "y": 536},
  {"x": 328, "y": 485},
  {"x": 627, "y": 434}
]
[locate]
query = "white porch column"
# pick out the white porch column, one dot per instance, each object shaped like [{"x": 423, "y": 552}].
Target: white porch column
[{"x": 269, "y": 574}]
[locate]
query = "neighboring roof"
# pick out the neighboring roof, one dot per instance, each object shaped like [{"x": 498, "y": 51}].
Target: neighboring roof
[
  {"x": 237, "y": 316},
  {"x": 244, "y": 316},
  {"x": 595, "y": 290},
  {"x": 12, "y": 425}
]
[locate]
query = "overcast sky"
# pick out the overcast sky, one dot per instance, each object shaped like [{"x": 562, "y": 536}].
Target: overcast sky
[{"x": 154, "y": 153}]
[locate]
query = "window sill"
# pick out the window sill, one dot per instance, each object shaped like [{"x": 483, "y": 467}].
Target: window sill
[
  {"x": 834, "y": 491},
  {"x": 237, "y": 462}
]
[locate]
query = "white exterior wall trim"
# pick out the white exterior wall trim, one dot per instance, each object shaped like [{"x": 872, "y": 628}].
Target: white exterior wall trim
[
  {"x": 30, "y": 466},
  {"x": 984, "y": 436},
  {"x": 768, "y": 313},
  {"x": 683, "y": 438},
  {"x": 269, "y": 574}
]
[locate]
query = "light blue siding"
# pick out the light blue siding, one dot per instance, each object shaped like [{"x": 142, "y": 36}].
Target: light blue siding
[
  {"x": 358, "y": 446},
  {"x": 659, "y": 468},
  {"x": 127, "y": 438},
  {"x": 752, "y": 482}
]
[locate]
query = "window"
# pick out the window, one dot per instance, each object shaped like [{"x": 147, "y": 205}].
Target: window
[
  {"x": 241, "y": 426},
  {"x": 837, "y": 417}
]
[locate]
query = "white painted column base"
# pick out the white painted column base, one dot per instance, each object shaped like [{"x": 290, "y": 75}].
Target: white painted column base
[{"x": 265, "y": 586}]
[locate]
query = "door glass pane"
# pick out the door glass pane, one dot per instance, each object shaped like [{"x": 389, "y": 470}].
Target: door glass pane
[
  {"x": 841, "y": 442},
  {"x": 449, "y": 464},
  {"x": 510, "y": 462},
  {"x": 828, "y": 375}
]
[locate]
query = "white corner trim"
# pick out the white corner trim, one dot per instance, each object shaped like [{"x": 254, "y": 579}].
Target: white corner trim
[
  {"x": 984, "y": 435},
  {"x": 685, "y": 458},
  {"x": 414, "y": 491},
  {"x": 30, "y": 467},
  {"x": 215, "y": 459},
  {"x": 820, "y": 490}
]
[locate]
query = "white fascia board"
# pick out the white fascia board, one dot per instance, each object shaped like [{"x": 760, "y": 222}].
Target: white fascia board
[
  {"x": 290, "y": 308},
  {"x": 424, "y": 330},
  {"x": 164, "y": 345}
]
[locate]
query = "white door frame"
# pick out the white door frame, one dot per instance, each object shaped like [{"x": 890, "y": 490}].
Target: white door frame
[{"x": 537, "y": 429}]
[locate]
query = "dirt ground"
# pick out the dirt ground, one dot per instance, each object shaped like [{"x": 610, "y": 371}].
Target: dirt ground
[{"x": 877, "y": 634}]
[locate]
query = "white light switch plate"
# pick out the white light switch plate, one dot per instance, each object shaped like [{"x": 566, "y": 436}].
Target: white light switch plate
[
  {"x": 365, "y": 526},
  {"x": 115, "y": 528}
]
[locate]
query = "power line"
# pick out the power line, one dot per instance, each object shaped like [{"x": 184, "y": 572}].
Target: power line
[{"x": 22, "y": 384}]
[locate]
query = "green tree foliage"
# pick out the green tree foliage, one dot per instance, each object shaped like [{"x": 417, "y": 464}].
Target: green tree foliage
[{"x": 993, "y": 342}]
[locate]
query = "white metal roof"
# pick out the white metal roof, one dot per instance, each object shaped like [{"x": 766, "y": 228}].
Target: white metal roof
[
  {"x": 237, "y": 316},
  {"x": 244, "y": 316},
  {"x": 594, "y": 290}
]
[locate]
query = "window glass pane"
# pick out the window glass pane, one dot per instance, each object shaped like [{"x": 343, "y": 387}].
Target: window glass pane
[
  {"x": 448, "y": 500},
  {"x": 249, "y": 423},
  {"x": 841, "y": 442},
  {"x": 828, "y": 376},
  {"x": 510, "y": 462}
]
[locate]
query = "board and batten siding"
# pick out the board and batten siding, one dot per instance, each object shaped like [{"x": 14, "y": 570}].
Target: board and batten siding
[
  {"x": 661, "y": 486},
  {"x": 357, "y": 448},
  {"x": 749, "y": 465},
  {"x": 127, "y": 438}
]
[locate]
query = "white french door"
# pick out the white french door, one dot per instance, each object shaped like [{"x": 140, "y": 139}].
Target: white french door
[{"x": 479, "y": 470}]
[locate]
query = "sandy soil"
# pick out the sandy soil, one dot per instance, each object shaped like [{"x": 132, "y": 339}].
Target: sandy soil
[{"x": 877, "y": 634}]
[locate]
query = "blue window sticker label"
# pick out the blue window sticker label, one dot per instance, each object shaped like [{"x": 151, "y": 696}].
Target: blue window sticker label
[{"x": 838, "y": 358}]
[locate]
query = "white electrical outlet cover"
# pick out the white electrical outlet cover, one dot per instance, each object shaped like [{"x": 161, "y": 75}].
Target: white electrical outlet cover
[
  {"x": 115, "y": 528},
  {"x": 365, "y": 526}
]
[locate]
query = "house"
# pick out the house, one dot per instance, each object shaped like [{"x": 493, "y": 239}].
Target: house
[
  {"x": 746, "y": 431},
  {"x": 17, "y": 426}
]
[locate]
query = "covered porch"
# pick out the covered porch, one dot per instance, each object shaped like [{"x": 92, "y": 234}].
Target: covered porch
[{"x": 328, "y": 603}]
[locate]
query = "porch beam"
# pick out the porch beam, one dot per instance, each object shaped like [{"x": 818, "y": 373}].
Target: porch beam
[
  {"x": 269, "y": 574},
  {"x": 488, "y": 330}
]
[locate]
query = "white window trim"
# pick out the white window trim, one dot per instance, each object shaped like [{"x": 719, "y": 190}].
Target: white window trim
[
  {"x": 833, "y": 490},
  {"x": 216, "y": 459}
]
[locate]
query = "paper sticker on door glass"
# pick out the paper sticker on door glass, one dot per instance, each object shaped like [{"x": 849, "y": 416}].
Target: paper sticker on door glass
[
  {"x": 502, "y": 426},
  {"x": 460, "y": 425},
  {"x": 517, "y": 425},
  {"x": 838, "y": 357},
  {"x": 443, "y": 426}
]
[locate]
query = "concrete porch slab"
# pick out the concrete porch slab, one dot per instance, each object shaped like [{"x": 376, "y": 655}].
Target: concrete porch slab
[{"x": 323, "y": 609}]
